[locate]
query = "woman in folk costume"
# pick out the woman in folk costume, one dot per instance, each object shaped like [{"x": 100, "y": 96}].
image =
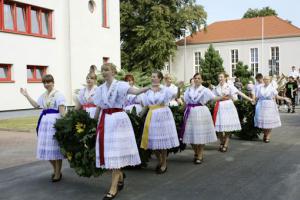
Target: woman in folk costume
[
  {"x": 53, "y": 104},
  {"x": 198, "y": 127},
  {"x": 115, "y": 144},
  {"x": 173, "y": 88},
  {"x": 266, "y": 111},
  {"x": 85, "y": 98},
  {"x": 225, "y": 115},
  {"x": 132, "y": 101},
  {"x": 159, "y": 131}
]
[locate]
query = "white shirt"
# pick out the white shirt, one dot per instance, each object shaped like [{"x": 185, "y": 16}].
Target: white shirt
[{"x": 294, "y": 74}]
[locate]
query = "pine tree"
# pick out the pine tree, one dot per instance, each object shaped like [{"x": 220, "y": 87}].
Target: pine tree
[
  {"x": 243, "y": 73},
  {"x": 211, "y": 66}
]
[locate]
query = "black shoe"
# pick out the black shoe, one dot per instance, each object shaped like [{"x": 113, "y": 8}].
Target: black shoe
[
  {"x": 109, "y": 196},
  {"x": 224, "y": 149},
  {"x": 160, "y": 171},
  {"x": 157, "y": 168},
  {"x": 267, "y": 140},
  {"x": 57, "y": 180},
  {"x": 289, "y": 110},
  {"x": 293, "y": 111},
  {"x": 198, "y": 161},
  {"x": 121, "y": 183}
]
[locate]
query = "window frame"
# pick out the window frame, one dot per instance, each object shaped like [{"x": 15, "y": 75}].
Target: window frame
[
  {"x": 27, "y": 19},
  {"x": 234, "y": 59},
  {"x": 276, "y": 58},
  {"x": 35, "y": 67},
  {"x": 254, "y": 61},
  {"x": 105, "y": 13},
  {"x": 8, "y": 79},
  {"x": 197, "y": 67}
]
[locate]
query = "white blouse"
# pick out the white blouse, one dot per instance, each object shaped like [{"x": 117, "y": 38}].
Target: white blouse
[
  {"x": 266, "y": 93},
  {"x": 161, "y": 97},
  {"x": 112, "y": 97},
  {"x": 225, "y": 90},
  {"x": 200, "y": 94},
  {"x": 86, "y": 96},
  {"x": 51, "y": 101}
]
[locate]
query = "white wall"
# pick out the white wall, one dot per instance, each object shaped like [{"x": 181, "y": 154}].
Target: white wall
[
  {"x": 289, "y": 51},
  {"x": 90, "y": 42},
  {"x": 79, "y": 41},
  {"x": 22, "y": 50}
]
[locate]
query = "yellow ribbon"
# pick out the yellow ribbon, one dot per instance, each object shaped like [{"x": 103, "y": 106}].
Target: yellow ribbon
[{"x": 144, "y": 143}]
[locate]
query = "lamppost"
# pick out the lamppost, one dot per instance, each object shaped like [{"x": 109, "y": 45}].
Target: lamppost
[{"x": 183, "y": 31}]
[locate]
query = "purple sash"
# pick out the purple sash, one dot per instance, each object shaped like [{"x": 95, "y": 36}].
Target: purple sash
[
  {"x": 45, "y": 112},
  {"x": 186, "y": 115}
]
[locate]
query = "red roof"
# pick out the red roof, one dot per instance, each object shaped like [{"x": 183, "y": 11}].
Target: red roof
[{"x": 243, "y": 29}]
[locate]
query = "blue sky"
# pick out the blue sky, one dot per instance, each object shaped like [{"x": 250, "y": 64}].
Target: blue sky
[{"x": 219, "y": 10}]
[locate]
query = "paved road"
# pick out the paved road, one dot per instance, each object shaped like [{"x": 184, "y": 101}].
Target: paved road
[{"x": 249, "y": 171}]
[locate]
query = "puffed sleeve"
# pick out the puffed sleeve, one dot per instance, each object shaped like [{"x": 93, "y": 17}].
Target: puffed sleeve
[
  {"x": 123, "y": 88},
  {"x": 80, "y": 97},
  {"x": 275, "y": 92},
  {"x": 186, "y": 95},
  {"x": 174, "y": 89},
  {"x": 144, "y": 98},
  {"x": 40, "y": 101},
  {"x": 169, "y": 95},
  {"x": 97, "y": 96},
  {"x": 215, "y": 91},
  {"x": 208, "y": 95},
  {"x": 139, "y": 99},
  {"x": 60, "y": 99},
  {"x": 233, "y": 90}
]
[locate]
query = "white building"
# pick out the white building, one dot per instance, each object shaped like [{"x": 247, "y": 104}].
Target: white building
[
  {"x": 268, "y": 45},
  {"x": 60, "y": 37}
]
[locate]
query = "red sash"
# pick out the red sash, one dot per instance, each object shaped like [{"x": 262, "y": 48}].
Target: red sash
[
  {"x": 216, "y": 109},
  {"x": 88, "y": 105},
  {"x": 100, "y": 130}
]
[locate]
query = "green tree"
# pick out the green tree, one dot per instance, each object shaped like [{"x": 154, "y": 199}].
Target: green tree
[
  {"x": 243, "y": 73},
  {"x": 266, "y": 11},
  {"x": 211, "y": 66},
  {"x": 149, "y": 29}
]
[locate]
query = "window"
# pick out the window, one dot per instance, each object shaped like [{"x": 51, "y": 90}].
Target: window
[
  {"x": 25, "y": 19},
  {"x": 5, "y": 73},
  {"x": 8, "y": 17},
  {"x": 21, "y": 18},
  {"x": 34, "y": 21},
  {"x": 274, "y": 62},
  {"x": 197, "y": 61},
  {"x": 105, "y": 60},
  {"x": 254, "y": 60},
  {"x": 35, "y": 73},
  {"x": 234, "y": 60},
  {"x": 167, "y": 67},
  {"x": 105, "y": 14}
]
